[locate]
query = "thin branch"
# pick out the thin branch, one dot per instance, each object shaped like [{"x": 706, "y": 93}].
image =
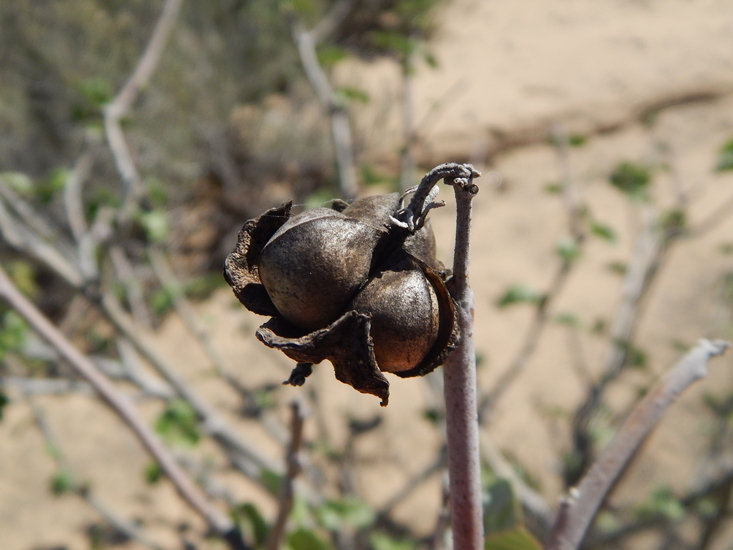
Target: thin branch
[
  {"x": 212, "y": 422},
  {"x": 174, "y": 287},
  {"x": 612, "y": 461},
  {"x": 127, "y": 528},
  {"x": 287, "y": 489},
  {"x": 133, "y": 288},
  {"x": 459, "y": 375},
  {"x": 437, "y": 541},
  {"x": 332, "y": 20},
  {"x": 218, "y": 521},
  {"x": 121, "y": 104},
  {"x": 340, "y": 125}
]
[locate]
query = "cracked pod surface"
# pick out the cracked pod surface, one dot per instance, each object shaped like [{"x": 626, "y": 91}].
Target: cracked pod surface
[{"x": 343, "y": 284}]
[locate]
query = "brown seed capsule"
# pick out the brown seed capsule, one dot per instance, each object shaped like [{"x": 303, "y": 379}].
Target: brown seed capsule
[
  {"x": 405, "y": 316},
  {"x": 314, "y": 264}
]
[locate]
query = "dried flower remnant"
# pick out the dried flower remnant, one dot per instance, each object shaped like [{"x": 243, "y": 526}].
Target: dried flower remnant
[{"x": 356, "y": 284}]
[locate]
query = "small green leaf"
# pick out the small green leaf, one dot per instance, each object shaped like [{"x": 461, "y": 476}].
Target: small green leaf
[
  {"x": 13, "y": 330},
  {"x": 383, "y": 541},
  {"x": 306, "y": 539},
  {"x": 250, "y": 522},
  {"x": 603, "y": 231},
  {"x": 725, "y": 157},
  {"x": 568, "y": 319},
  {"x": 348, "y": 93},
  {"x": 554, "y": 188},
  {"x": 577, "y": 140},
  {"x": 329, "y": 55},
  {"x": 672, "y": 222},
  {"x": 271, "y": 480},
  {"x": 632, "y": 179},
  {"x": 618, "y": 268},
  {"x": 433, "y": 415},
  {"x": 155, "y": 224},
  {"x": 161, "y": 301},
  {"x": 153, "y": 473},
  {"x": 516, "y": 539},
  {"x": 519, "y": 294},
  {"x": 62, "y": 482},
  {"x": 334, "y": 514},
  {"x": 178, "y": 424},
  {"x": 18, "y": 182},
  {"x": 4, "y": 400},
  {"x": 501, "y": 510},
  {"x": 568, "y": 249},
  {"x": 662, "y": 502}
]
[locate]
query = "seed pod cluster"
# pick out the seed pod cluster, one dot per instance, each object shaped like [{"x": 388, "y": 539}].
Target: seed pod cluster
[{"x": 352, "y": 284}]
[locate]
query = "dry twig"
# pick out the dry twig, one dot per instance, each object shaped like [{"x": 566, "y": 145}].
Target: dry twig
[{"x": 591, "y": 492}]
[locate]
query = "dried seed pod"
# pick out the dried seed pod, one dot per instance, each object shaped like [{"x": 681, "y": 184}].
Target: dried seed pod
[
  {"x": 358, "y": 285},
  {"x": 405, "y": 315},
  {"x": 314, "y": 264}
]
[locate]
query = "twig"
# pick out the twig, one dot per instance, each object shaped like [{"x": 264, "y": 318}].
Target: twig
[
  {"x": 612, "y": 461},
  {"x": 459, "y": 374},
  {"x": 121, "y": 104},
  {"x": 332, "y": 20},
  {"x": 213, "y": 424},
  {"x": 44, "y": 386},
  {"x": 23, "y": 238},
  {"x": 340, "y": 125},
  {"x": 218, "y": 521},
  {"x": 174, "y": 287},
  {"x": 133, "y": 288},
  {"x": 125, "y": 527},
  {"x": 287, "y": 492}
]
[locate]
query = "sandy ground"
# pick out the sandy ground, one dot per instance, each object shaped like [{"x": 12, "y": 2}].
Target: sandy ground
[{"x": 506, "y": 69}]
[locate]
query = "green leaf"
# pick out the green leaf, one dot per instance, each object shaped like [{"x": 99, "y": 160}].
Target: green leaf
[
  {"x": 568, "y": 319},
  {"x": 382, "y": 541},
  {"x": 4, "y": 400},
  {"x": 603, "y": 231},
  {"x": 519, "y": 294},
  {"x": 306, "y": 539},
  {"x": 725, "y": 157},
  {"x": 329, "y": 55},
  {"x": 153, "y": 473},
  {"x": 18, "y": 182},
  {"x": 335, "y": 514},
  {"x": 13, "y": 330},
  {"x": 568, "y": 249},
  {"x": 662, "y": 502},
  {"x": 271, "y": 480},
  {"x": 178, "y": 424},
  {"x": 250, "y": 522},
  {"x": 577, "y": 140},
  {"x": 501, "y": 509},
  {"x": 155, "y": 224},
  {"x": 349, "y": 93},
  {"x": 62, "y": 482},
  {"x": 161, "y": 301},
  {"x": 553, "y": 188},
  {"x": 632, "y": 179},
  {"x": 516, "y": 539}
]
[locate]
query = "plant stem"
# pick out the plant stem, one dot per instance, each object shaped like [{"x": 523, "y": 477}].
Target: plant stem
[{"x": 459, "y": 374}]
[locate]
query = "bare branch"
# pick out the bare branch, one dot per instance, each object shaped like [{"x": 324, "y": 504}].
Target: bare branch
[
  {"x": 414, "y": 482},
  {"x": 612, "y": 461},
  {"x": 340, "y": 126},
  {"x": 218, "y": 521},
  {"x": 459, "y": 375},
  {"x": 333, "y": 19},
  {"x": 213, "y": 424},
  {"x": 287, "y": 489},
  {"x": 121, "y": 104},
  {"x": 133, "y": 288}
]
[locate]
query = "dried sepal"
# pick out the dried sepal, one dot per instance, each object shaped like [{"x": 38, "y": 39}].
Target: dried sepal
[
  {"x": 346, "y": 343},
  {"x": 241, "y": 268}
]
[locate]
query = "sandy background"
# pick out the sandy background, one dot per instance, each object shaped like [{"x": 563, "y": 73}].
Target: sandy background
[{"x": 507, "y": 71}]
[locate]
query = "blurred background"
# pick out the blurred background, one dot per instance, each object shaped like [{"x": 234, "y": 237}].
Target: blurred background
[{"x": 137, "y": 137}]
